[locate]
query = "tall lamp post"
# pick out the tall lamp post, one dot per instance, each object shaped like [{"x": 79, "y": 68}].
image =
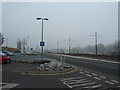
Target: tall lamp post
[{"x": 42, "y": 43}]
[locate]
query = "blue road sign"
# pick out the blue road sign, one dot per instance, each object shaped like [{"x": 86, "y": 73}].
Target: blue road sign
[{"x": 42, "y": 43}]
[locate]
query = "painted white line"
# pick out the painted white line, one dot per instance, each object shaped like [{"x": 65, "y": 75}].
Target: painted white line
[
  {"x": 9, "y": 85},
  {"x": 71, "y": 78},
  {"x": 69, "y": 81},
  {"x": 69, "y": 86},
  {"x": 64, "y": 83},
  {"x": 82, "y": 72},
  {"x": 80, "y": 81},
  {"x": 102, "y": 77},
  {"x": 91, "y": 87},
  {"x": 97, "y": 78},
  {"x": 109, "y": 82},
  {"x": 3, "y": 83},
  {"x": 87, "y": 72},
  {"x": 89, "y": 75},
  {"x": 89, "y": 58},
  {"x": 83, "y": 84},
  {"x": 115, "y": 81},
  {"x": 94, "y": 74}
]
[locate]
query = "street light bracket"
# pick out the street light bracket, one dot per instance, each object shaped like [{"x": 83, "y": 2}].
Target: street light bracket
[{"x": 39, "y": 18}]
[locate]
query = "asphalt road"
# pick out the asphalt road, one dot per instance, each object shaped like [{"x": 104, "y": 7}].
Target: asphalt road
[
  {"x": 96, "y": 75},
  {"x": 103, "y": 67}
]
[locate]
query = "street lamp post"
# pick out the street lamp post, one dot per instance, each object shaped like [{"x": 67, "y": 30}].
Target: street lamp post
[{"x": 42, "y": 43}]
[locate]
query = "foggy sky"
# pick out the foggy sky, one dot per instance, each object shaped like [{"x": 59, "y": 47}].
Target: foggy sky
[{"x": 77, "y": 21}]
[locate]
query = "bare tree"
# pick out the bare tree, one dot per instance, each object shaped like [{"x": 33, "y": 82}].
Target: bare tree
[
  {"x": 101, "y": 49},
  {"x": 19, "y": 43},
  {"x": 24, "y": 43}
]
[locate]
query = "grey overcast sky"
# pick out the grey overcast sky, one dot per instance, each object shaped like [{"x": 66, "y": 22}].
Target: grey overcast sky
[{"x": 74, "y": 20}]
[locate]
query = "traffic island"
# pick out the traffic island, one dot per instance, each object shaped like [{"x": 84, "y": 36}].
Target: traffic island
[{"x": 52, "y": 67}]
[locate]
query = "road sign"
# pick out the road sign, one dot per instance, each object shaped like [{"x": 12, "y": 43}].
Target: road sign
[{"x": 42, "y": 43}]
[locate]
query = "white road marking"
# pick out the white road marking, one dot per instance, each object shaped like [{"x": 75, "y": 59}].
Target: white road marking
[
  {"x": 109, "y": 82},
  {"x": 89, "y": 75},
  {"x": 97, "y": 78},
  {"x": 69, "y": 81},
  {"x": 9, "y": 85},
  {"x": 87, "y": 72},
  {"x": 80, "y": 81},
  {"x": 71, "y": 78},
  {"x": 3, "y": 83},
  {"x": 83, "y": 84},
  {"x": 69, "y": 86},
  {"x": 82, "y": 72},
  {"x": 94, "y": 74},
  {"x": 64, "y": 83},
  {"x": 89, "y": 87},
  {"x": 102, "y": 77},
  {"x": 115, "y": 81}
]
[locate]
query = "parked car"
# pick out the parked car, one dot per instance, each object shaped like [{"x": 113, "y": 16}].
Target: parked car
[
  {"x": 4, "y": 58},
  {"x": 18, "y": 53},
  {"x": 1, "y": 53},
  {"x": 29, "y": 53},
  {"x": 8, "y": 53}
]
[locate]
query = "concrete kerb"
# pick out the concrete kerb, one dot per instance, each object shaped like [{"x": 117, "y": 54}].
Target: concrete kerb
[{"x": 72, "y": 70}]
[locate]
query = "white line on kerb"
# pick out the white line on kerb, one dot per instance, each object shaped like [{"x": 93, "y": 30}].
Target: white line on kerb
[{"x": 109, "y": 82}]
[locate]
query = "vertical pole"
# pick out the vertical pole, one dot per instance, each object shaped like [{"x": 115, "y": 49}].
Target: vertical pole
[
  {"x": 69, "y": 45},
  {"x": 96, "y": 42},
  {"x": 42, "y": 42},
  {"x": 57, "y": 47}
]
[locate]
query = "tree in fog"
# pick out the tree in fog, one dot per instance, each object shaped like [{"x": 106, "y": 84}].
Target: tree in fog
[
  {"x": 1, "y": 39},
  {"x": 112, "y": 49},
  {"x": 89, "y": 49},
  {"x": 76, "y": 50},
  {"x": 101, "y": 49}
]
